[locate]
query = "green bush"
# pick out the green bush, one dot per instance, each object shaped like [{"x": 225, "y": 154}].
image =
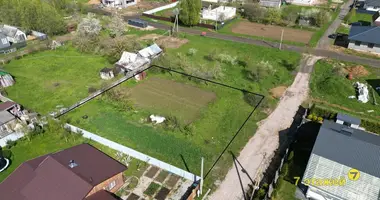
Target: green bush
[
  {"x": 371, "y": 126},
  {"x": 290, "y": 156},
  {"x": 10, "y": 144},
  {"x": 320, "y": 119},
  {"x": 315, "y": 118},
  {"x": 285, "y": 169},
  {"x": 310, "y": 116}
]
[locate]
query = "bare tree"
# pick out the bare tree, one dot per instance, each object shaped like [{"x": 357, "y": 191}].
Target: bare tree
[{"x": 117, "y": 26}]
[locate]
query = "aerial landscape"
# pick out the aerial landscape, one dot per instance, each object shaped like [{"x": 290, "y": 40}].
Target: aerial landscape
[{"x": 189, "y": 99}]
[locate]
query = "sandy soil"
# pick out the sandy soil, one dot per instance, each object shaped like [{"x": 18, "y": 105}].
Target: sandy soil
[
  {"x": 270, "y": 31},
  {"x": 165, "y": 41},
  {"x": 266, "y": 139},
  {"x": 277, "y": 92}
]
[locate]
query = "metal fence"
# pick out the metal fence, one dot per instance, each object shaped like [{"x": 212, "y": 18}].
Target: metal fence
[{"x": 133, "y": 153}]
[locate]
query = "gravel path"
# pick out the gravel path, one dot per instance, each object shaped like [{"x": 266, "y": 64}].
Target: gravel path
[
  {"x": 325, "y": 41},
  {"x": 266, "y": 139}
]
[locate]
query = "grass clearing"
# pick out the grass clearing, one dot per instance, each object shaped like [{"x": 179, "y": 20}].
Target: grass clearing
[
  {"x": 330, "y": 88},
  {"x": 364, "y": 19},
  {"x": 50, "y": 78},
  {"x": 171, "y": 98}
]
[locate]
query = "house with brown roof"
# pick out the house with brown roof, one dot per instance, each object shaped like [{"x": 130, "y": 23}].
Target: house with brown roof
[{"x": 81, "y": 172}]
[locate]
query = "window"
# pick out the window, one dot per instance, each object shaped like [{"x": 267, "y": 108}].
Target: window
[
  {"x": 4, "y": 40},
  {"x": 371, "y": 45},
  {"x": 110, "y": 186},
  {"x": 346, "y": 123},
  {"x": 357, "y": 43}
]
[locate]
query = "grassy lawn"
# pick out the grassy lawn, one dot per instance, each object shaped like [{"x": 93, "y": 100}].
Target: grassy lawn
[
  {"x": 50, "y": 78},
  {"x": 331, "y": 88},
  {"x": 208, "y": 115},
  {"x": 365, "y": 19},
  {"x": 343, "y": 29},
  {"x": 213, "y": 123}
]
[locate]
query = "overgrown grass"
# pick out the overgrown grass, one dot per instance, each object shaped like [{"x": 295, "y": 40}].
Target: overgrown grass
[
  {"x": 343, "y": 29},
  {"x": 50, "y": 78},
  {"x": 333, "y": 90}
]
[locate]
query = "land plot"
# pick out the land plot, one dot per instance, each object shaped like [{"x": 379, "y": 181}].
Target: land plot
[
  {"x": 171, "y": 98},
  {"x": 270, "y": 31}
]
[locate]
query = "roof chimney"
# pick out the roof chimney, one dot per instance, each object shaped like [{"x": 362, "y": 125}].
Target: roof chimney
[{"x": 72, "y": 164}]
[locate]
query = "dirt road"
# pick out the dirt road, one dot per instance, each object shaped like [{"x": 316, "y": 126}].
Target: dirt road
[{"x": 266, "y": 139}]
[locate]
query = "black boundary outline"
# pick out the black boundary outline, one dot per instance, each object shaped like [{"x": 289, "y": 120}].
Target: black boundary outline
[{"x": 203, "y": 79}]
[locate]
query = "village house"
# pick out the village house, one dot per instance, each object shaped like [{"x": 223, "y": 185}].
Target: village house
[
  {"x": 341, "y": 148},
  {"x": 11, "y": 38},
  {"x": 270, "y": 3},
  {"x": 8, "y": 119},
  {"x": 371, "y": 5},
  {"x": 364, "y": 38},
  {"x": 119, "y": 3},
  {"x": 220, "y": 13},
  {"x": 81, "y": 172},
  {"x": 106, "y": 73}
]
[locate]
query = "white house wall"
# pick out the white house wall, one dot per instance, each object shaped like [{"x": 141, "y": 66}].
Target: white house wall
[
  {"x": 371, "y": 8},
  {"x": 364, "y": 47},
  {"x": 228, "y": 12}
]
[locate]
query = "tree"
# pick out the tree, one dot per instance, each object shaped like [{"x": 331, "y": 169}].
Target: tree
[
  {"x": 273, "y": 16},
  {"x": 117, "y": 26},
  {"x": 189, "y": 12},
  {"x": 322, "y": 17},
  {"x": 89, "y": 26},
  {"x": 253, "y": 12}
]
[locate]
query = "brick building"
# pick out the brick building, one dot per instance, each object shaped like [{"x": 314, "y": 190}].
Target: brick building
[{"x": 78, "y": 173}]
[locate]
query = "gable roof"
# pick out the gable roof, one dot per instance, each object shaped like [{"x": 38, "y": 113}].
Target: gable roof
[
  {"x": 50, "y": 175},
  {"x": 6, "y": 117},
  {"x": 374, "y": 3},
  {"x": 368, "y": 34},
  {"x": 6, "y": 105},
  {"x": 9, "y": 31},
  {"x": 351, "y": 147},
  {"x": 152, "y": 50}
]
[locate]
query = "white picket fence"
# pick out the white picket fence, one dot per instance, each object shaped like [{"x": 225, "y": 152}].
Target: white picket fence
[
  {"x": 135, "y": 154},
  {"x": 158, "y": 9}
]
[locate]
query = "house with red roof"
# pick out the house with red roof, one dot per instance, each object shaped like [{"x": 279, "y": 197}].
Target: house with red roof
[{"x": 81, "y": 172}]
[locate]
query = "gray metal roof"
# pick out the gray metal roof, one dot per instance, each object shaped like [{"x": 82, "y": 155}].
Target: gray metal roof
[
  {"x": 347, "y": 118},
  {"x": 368, "y": 34},
  {"x": 351, "y": 147},
  {"x": 374, "y": 3},
  {"x": 4, "y": 43},
  {"x": 5, "y": 117}
]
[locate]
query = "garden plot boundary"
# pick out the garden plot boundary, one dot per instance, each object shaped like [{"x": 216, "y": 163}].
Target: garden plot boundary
[{"x": 260, "y": 100}]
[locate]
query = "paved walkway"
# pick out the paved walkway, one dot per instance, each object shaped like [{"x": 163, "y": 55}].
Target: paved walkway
[
  {"x": 325, "y": 41},
  {"x": 266, "y": 139}
]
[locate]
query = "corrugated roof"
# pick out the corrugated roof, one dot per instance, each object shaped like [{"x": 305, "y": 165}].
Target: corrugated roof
[
  {"x": 368, "y": 34},
  {"x": 7, "y": 105},
  {"x": 347, "y": 118},
  {"x": 51, "y": 176},
  {"x": 5, "y": 117},
  {"x": 150, "y": 51},
  {"x": 351, "y": 147}
]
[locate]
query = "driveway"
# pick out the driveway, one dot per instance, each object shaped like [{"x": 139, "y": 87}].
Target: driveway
[
  {"x": 325, "y": 41},
  {"x": 266, "y": 139}
]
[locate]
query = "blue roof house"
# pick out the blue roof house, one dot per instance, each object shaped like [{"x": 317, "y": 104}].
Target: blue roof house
[
  {"x": 365, "y": 38},
  {"x": 344, "y": 163}
]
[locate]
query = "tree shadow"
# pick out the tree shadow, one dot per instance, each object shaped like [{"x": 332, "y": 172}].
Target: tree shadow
[{"x": 374, "y": 83}]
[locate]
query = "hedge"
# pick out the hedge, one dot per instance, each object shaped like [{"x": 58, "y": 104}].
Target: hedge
[{"x": 369, "y": 125}]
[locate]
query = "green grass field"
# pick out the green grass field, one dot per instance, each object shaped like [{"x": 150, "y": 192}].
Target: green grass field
[
  {"x": 332, "y": 89},
  {"x": 219, "y": 112},
  {"x": 171, "y": 98},
  {"x": 365, "y": 19},
  {"x": 50, "y": 78}
]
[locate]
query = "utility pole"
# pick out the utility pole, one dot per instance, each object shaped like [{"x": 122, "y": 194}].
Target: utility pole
[
  {"x": 282, "y": 36},
  {"x": 201, "y": 184},
  {"x": 176, "y": 13}
]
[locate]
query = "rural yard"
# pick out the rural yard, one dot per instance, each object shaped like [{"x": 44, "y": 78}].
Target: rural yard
[{"x": 272, "y": 31}]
